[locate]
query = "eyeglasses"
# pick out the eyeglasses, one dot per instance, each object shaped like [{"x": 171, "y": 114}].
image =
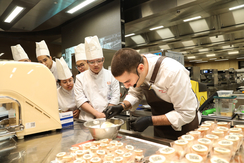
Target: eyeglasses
[
  {"x": 93, "y": 62},
  {"x": 80, "y": 65}
]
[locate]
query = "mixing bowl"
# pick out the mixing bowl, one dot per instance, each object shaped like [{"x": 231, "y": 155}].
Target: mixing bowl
[{"x": 98, "y": 133}]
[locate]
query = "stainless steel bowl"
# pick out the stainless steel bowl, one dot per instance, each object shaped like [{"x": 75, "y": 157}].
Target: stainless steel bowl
[{"x": 98, "y": 133}]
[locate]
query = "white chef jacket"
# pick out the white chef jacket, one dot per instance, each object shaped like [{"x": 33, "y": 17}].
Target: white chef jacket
[
  {"x": 66, "y": 99},
  {"x": 54, "y": 70},
  {"x": 172, "y": 85},
  {"x": 98, "y": 89}
]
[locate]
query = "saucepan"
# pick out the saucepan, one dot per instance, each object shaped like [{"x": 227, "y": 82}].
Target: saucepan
[{"x": 104, "y": 129}]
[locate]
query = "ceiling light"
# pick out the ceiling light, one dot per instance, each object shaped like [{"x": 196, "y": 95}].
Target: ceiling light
[
  {"x": 188, "y": 43},
  {"x": 240, "y": 58},
  {"x": 13, "y": 14},
  {"x": 212, "y": 58},
  {"x": 191, "y": 57},
  {"x": 220, "y": 38},
  {"x": 226, "y": 47},
  {"x": 233, "y": 8},
  {"x": 151, "y": 29},
  {"x": 221, "y": 59},
  {"x": 138, "y": 39},
  {"x": 210, "y": 55},
  {"x": 132, "y": 34},
  {"x": 164, "y": 47},
  {"x": 234, "y": 52},
  {"x": 196, "y": 60},
  {"x": 194, "y": 18},
  {"x": 202, "y": 62},
  {"x": 203, "y": 50},
  {"x": 79, "y": 6}
]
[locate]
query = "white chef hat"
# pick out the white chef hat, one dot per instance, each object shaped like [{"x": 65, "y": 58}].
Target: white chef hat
[
  {"x": 41, "y": 49},
  {"x": 18, "y": 53},
  {"x": 80, "y": 53},
  {"x": 63, "y": 69},
  {"x": 93, "y": 48}
]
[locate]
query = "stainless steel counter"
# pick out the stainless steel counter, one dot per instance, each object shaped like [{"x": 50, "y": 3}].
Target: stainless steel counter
[{"x": 43, "y": 147}]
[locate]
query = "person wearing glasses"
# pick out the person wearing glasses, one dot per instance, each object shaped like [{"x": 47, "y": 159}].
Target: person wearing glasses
[
  {"x": 95, "y": 88},
  {"x": 19, "y": 54},
  {"x": 166, "y": 85},
  {"x": 80, "y": 58},
  {"x": 43, "y": 56},
  {"x": 66, "y": 96}
]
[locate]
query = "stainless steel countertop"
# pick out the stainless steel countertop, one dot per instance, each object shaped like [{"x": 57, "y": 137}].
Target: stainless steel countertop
[{"x": 43, "y": 147}]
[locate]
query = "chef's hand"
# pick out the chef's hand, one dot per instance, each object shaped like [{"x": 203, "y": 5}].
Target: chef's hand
[
  {"x": 111, "y": 111},
  {"x": 76, "y": 113},
  {"x": 141, "y": 123}
]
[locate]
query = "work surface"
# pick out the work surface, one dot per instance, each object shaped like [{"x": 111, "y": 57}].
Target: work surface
[{"x": 43, "y": 147}]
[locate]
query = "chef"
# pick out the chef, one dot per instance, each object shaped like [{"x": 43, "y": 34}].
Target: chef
[
  {"x": 43, "y": 56},
  {"x": 80, "y": 58},
  {"x": 66, "y": 96},
  {"x": 19, "y": 54},
  {"x": 167, "y": 88},
  {"x": 95, "y": 88}
]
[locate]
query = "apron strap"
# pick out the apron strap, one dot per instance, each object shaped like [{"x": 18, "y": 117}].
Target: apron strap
[{"x": 156, "y": 68}]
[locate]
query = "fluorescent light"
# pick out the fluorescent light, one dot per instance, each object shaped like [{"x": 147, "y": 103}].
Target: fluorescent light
[
  {"x": 195, "y": 60},
  {"x": 138, "y": 39},
  {"x": 221, "y": 59},
  {"x": 79, "y": 6},
  {"x": 13, "y": 14},
  {"x": 202, "y": 62},
  {"x": 226, "y": 47},
  {"x": 233, "y": 8},
  {"x": 210, "y": 55},
  {"x": 234, "y": 52},
  {"x": 151, "y": 29},
  {"x": 203, "y": 50},
  {"x": 212, "y": 58},
  {"x": 240, "y": 58},
  {"x": 191, "y": 57},
  {"x": 194, "y": 18},
  {"x": 188, "y": 43},
  {"x": 132, "y": 34}
]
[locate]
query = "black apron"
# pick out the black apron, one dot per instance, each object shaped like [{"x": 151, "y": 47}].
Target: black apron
[{"x": 161, "y": 107}]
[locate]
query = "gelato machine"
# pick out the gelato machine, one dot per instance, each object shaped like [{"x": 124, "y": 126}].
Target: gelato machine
[{"x": 28, "y": 93}]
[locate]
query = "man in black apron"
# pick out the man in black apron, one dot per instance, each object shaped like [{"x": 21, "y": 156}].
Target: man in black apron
[{"x": 171, "y": 81}]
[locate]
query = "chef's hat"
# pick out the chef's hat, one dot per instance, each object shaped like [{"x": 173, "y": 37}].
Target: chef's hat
[
  {"x": 18, "y": 53},
  {"x": 93, "y": 48},
  {"x": 63, "y": 69},
  {"x": 80, "y": 53},
  {"x": 41, "y": 49}
]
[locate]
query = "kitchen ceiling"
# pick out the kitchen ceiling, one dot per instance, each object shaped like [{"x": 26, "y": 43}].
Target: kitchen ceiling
[{"x": 219, "y": 33}]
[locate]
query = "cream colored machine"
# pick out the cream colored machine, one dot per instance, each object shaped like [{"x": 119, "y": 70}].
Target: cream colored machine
[{"x": 29, "y": 93}]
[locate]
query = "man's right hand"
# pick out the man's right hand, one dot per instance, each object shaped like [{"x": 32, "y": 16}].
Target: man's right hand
[{"x": 111, "y": 111}]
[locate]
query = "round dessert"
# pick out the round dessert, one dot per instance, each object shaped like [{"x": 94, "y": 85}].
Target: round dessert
[
  {"x": 166, "y": 150},
  {"x": 221, "y": 150},
  {"x": 156, "y": 159},
  {"x": 204, "y": 141},
  {"x": 235, "y": 130},
  {"x": 191, "y": 157},
  {"x": 212, "y": 137},
  {"x": 199, "y": 148},
  {"x": 95, "y": 160},
  {"x": 187, "y": 137},
  {"x": 218, "y": 160}
]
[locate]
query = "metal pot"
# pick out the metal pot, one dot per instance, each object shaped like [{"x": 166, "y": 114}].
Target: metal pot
[{"x": 98, "y": 133}]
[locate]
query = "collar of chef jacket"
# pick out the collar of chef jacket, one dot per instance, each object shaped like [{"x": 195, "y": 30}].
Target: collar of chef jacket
[
  {"x": 53, "y": 68},
  {"x": 96, "y": 75},
  {"x": 66, "y": 91}
]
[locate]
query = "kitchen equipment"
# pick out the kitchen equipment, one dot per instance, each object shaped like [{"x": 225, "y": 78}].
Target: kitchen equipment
[
  {"x": 225, "y": 106},
  {"x": 225, "y": 93},
  {"x": 240, "y": 112},
  {"x": 29, "y": 92},
  {"x": 98, "y": 133}
]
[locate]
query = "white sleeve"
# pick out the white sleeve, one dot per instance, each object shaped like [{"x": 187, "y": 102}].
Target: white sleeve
[
  {"x": 115, "y": 91},
  {"x": 80, "y": 97},
  {"x": 134, "y": 95},
  {"x": 182, "y": 98}
]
